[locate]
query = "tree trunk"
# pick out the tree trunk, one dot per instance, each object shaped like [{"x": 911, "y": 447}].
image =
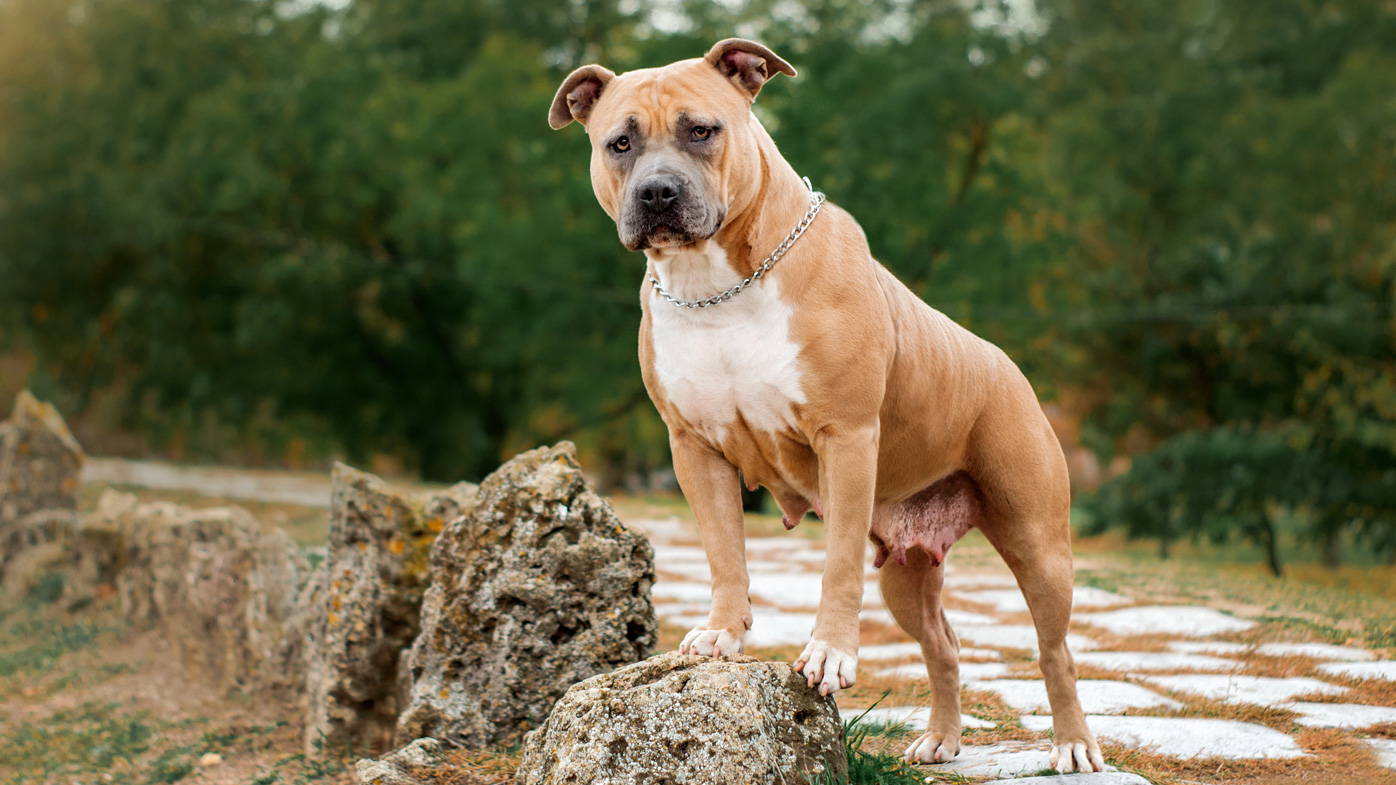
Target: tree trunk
[
  {"x": 1272, "y": 549},
  {"x": 1333, "y": 550}
]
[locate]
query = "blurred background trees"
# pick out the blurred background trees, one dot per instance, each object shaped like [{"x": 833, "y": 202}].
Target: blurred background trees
[{"x": 282, "y": 230}]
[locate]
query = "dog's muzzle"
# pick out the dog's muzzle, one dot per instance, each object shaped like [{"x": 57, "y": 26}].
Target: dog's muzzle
[{"x": 663, "y": 211}]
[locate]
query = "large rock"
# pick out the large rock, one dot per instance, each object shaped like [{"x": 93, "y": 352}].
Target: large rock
[
  {"x": 540, "y": 588},
  {"x": 79, "y": 555},
  {"x": 220, "y": 590},
  {"x": 423, "y": 762},
  {"x": 367, "y": 611},
  {"x": 40, "y": 461},
  {"x": 688, "y": 719}
]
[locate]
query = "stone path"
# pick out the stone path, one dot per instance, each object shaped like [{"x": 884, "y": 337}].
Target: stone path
[{"x": 1152, "y": 674}]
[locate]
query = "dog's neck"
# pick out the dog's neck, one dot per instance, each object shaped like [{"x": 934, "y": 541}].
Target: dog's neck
[{"x": 749, "y": 235}]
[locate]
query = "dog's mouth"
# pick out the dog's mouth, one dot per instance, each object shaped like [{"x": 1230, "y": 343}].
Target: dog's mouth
[{"x": 668, "y": 235}]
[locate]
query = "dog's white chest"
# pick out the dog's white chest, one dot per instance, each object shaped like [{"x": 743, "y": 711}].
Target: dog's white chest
[{"x": 734, "y": 358}]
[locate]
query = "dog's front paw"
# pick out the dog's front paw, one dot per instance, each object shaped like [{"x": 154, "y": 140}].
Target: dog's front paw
[
  {"x": 710, "y": 643},
  {"x": 1075, "y": 752},
  {"x": 934, "y": 747},
  {"x": 828, "y": 666}
]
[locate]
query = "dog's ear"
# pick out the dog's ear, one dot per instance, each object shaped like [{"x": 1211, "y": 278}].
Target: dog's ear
[
  {"x": 577, "y": 96},
  {"x": 747, "y": 64}
]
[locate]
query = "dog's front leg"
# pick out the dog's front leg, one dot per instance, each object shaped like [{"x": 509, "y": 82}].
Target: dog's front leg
[
  {"x": 847, "y": 481},
  {"x": 712, "y": 488}
]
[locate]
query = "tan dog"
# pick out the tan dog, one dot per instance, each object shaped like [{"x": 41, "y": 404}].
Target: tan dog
[{"x": 827, "y": 381}]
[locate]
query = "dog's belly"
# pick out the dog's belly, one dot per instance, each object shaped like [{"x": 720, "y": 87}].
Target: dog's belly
[
  {"x": 732, "y": 366},
  {"x": 931, "y": 520}
]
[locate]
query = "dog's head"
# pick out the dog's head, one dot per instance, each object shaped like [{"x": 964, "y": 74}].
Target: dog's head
[{"x": 673, "y": 149}]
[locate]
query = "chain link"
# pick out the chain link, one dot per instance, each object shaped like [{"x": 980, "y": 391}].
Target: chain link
[{"x": 816, "y": 200}]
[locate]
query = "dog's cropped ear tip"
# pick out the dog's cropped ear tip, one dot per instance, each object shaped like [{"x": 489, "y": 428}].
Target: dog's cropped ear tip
[{"x": 577, "y": 95}]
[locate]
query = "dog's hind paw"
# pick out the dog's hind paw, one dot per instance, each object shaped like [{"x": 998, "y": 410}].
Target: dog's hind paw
[
  {"x": 933, "y": 747},
  {"x": 710, "y": 643},
  {"x": 828, "y": 666},
  {"x": 1081, "y": 755}
]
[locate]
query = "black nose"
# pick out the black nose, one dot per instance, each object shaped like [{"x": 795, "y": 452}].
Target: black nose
[{"x": 659, "y": 193}]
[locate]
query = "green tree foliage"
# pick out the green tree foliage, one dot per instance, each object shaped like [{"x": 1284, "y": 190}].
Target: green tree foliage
[{"x": 1230, "y": 171}]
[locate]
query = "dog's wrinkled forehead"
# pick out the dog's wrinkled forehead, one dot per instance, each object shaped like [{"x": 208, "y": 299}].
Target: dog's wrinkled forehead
[{"x": 657, "y": 101}]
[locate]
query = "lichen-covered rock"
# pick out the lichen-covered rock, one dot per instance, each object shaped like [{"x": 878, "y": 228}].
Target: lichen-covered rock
[
  {"x": 376, "y": 572},
  {"x": 540, "y": 588},
  {"x": 81, "y": 553},
  {"x": 423, "y": 762},
  {"x": 40, "y": 461},
  {"x": 219, "y": 590},
  {"x": 688, "y": 719}
]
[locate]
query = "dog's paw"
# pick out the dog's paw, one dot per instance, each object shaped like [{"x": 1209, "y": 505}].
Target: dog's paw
[
  {"x": 1075, "y": 752},
  {"x": 933, "y": 747},
  {"x": 710, "y": 643},
  {"x": 828, "y": 666}
]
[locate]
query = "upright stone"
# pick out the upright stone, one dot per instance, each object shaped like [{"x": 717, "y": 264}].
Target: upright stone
[
  {"x": 375, "y": 574},
  {"x": 40, "y": 461},
  {"x": 540, "y": 588}
]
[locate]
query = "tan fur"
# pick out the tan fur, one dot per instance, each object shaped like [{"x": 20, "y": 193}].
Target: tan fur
[{"x": 912, "y": 429}]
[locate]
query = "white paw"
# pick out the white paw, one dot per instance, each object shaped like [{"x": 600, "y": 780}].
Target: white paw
[
  {"x": 1083, "y": 756},
  {"x": 710, "y": 643},
  {"x": 933, "y": 747},
  {"x": 825, "y": 664}
]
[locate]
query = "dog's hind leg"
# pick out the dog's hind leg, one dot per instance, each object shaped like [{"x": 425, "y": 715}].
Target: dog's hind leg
[
  {"x": 911, "y": 592},
  {"x": 1022, "y": 475}
]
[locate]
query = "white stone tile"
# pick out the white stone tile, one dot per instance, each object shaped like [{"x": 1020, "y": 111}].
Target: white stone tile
[
  {"x": 958, "y": 619},
  {"x": 664, "y": 553},
  {"x": 1385, "y": 750},
  {"x": 898, "y": 651},
  {"x": 1127, "y": 661},
  {"x": 1168, "y": 619},
  {"x": 956, "y": 580},
  {"x": 1005, "y": 759},
  {"x": 769, "y": 626},
  {"x": 1257, "y": 690},
  {"x": 1108, "y": 777},
  {"x": 1319, "y": 651},
  {"x": 689, "y": 570},
  {"x": 684, "y": 614},
  {"x": 1383, "y": 669},
  {"x": 787, "y": 590},
  {"x": 915, "y": 718},
  {"x": 1097, "y": 697},
  {"x": 878, "y": 616},
  {"x": 969, "y": 671},
  {"x": 1016, "y": 636},
  {"x": 682, "y": 591},
  {"x": 1011, "y": 600},
  {"x": 1209, "y": 647},
  {"x": 1188, "y": 737},
  {"x": 1341, "y": 715}
]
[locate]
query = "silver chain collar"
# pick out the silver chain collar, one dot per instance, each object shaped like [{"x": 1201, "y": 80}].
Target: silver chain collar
[{"x": 816, "y": 200}]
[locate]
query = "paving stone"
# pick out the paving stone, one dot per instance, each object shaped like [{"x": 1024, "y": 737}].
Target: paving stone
[
  {"x": 787, "y": 589},
  {"x": 683, "y": 591},
  {"x": 897, "y": 651},
  {"x": 957, "y": 580},
  {"x": 1319, "y": 651},
  {"x": 1382, "y": 669},
  {"x": 1005, "y": 759},
  {"x": 916, "y": 718},
  {"x": 1094, "y": 778},
  {"x": 958, "y": 619},
  {"x": 1011, "y": 600},
  {"x": 1188, "y": 737},
  {"x": 1128, "y": 661},
  {"x": 664, "y": 554},
  {"x": 969, "y": 671},
  {"x": 689, "y": 570},
  {"x": 1097, "y": 696},
  {"x": 1257, "y": 690},
  {"x": 769, "y": 627},
  {"x": 1341, "y": 715},
  {"x": 1017, "y": 636},
  {"x": 1385, "y": 750},
  {"x": 1168, "y": 619},
  {"x": 1209, "y": 647}
]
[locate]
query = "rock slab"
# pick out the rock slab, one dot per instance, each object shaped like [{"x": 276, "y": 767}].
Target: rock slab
[
  {"x": 688, "y": 719},
  {"x": 366, "y": 604},
  {"x": 540, "y": 587},
  {"x": 40, "y": 461}
]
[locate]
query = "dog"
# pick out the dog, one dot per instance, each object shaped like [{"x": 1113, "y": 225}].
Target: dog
[{"x": 779, "y": 352}]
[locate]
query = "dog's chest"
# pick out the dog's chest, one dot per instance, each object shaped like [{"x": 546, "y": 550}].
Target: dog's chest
[{"x": 735, "y": 361}]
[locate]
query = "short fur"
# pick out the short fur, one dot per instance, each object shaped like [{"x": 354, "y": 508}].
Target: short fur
[{"x": 892, "y": 422}]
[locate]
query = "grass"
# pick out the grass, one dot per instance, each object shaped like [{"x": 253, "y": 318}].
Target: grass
[{"x": 870, "y": 768}]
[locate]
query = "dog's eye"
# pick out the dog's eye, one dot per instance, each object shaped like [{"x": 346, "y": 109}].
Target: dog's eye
[
  {"x": 701, "y": 132},
  {"x": 621, "y": 145}
]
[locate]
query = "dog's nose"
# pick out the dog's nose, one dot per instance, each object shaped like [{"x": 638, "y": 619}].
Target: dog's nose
[{"x": 659, "y": 193}]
